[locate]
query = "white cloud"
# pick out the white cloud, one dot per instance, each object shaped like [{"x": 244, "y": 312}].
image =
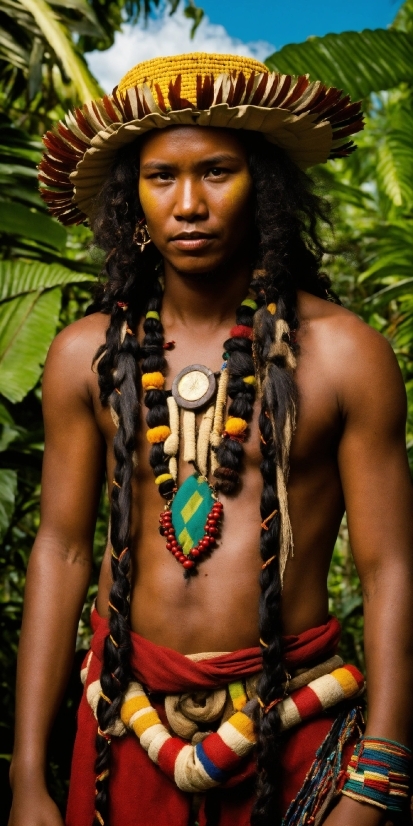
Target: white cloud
[{"x": 167, "y": 35}]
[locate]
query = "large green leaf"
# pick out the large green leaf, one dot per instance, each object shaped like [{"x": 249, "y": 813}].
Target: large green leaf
[
  {"x": 18, "y": 277},
  {"x": 57, "y": 38},
  {"x": 399, "y": 289},
  {"x": 359, "y": 62},
  {"x": 18, "y": 219},
  {"x": 395, "y": 158},
  {"x": 8, "y": 489},
  {"x": 27, "y": 326}
]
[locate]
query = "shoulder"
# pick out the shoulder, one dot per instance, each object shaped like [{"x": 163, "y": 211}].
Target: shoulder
[
  {"x": 358, "y": 361},
  {"x": 71, "y": 354},
  {"x": 80, "y": 338}
]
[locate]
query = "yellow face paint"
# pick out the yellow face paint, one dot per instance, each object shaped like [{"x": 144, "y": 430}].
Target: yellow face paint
[{"x": 196, "y": 179}]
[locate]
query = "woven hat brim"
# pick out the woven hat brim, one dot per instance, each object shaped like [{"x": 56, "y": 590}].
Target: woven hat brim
[{"x": 311, "y": 127}]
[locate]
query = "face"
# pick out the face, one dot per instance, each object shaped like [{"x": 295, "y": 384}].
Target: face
[{"x": 195, "y": 189}]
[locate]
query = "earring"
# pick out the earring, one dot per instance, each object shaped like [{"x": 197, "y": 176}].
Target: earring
[{"x": 141, "y": 235}]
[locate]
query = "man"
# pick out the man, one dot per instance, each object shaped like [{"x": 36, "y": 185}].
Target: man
[{"x": 217, "y": 632}]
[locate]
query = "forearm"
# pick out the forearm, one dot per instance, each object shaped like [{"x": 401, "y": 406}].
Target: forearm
[
  {"x": 57, "y": 581},
  {"x": 389, "y": 653},
  {"x": 389, "y": 659}
]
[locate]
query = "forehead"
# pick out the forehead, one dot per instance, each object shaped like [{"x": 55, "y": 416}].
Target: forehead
[{"x": 190, "y": 141}]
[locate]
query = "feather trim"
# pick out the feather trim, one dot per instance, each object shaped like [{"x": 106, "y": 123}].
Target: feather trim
[{"x": 67, "y": 144}]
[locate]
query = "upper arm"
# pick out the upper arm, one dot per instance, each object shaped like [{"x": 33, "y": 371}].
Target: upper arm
[
  {"x": 372, "y": 453},
  {"x": 74, "y": 454}
]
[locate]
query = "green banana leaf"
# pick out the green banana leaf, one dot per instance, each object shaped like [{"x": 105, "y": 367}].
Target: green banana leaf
[
  {"x": 30, "y": 299},
  {"x": 8, "y": 489},
  {"x": 358, "y": 62},
  {"x": 18, "y": 277},
  {"x": 395, "y": 158},
  {"x": 400, "y": 289},
  {"x": 27, "y": 326},
  {"x": 18, "y": 219},
  {"x": 57, "y": 37}
]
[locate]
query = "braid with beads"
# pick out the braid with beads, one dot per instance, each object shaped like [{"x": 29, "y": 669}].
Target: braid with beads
[
  {"x": 155, "y": 400},
  {"x": 117, "y": 364},
  {"x": 288, "y": 255},
  {"x": 240, "y": 367}
]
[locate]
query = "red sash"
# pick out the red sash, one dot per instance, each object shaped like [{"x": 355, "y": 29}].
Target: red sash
[{"x": 140, "y": 794}]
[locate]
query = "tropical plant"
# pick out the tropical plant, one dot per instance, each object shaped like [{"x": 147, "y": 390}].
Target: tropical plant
[
  {"x": 372, "y": 193},
  {"x": 42, "y": 46}
]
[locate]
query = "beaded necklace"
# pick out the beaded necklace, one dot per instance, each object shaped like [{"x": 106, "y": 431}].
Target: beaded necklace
[{"x": 192, "y": 515}]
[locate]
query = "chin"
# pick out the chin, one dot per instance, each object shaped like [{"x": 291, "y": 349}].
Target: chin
[{"x": 198, "y": 269}]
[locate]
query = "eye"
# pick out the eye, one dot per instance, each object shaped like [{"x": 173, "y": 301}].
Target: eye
[
  {"x": 217, "y": 171},
  {"x": 162, "y": 175}
]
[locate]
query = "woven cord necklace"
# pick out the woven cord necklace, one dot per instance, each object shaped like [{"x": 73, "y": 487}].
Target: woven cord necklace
[{"x": 192, "y": 515}]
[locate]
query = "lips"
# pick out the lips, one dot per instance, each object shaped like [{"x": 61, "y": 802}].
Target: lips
[{"x": 191, "y": 240}]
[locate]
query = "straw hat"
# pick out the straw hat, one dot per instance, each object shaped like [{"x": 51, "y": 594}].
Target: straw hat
[{"x": 310, "y": 121}]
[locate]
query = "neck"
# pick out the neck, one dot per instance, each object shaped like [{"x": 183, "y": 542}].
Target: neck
[{"x": 205, "y": 298}]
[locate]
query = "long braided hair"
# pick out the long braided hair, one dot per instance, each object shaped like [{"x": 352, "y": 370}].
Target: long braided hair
[{"x": 287, "y": 257}]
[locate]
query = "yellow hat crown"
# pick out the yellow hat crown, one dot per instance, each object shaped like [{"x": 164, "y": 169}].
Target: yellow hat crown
[{"x": 160, "y": 72}]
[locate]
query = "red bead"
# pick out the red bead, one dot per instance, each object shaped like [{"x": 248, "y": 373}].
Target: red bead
[
  {"x": 176, "y": 552},
  {"x": 169, "y": 546},
  {"x": 195, "y": 552},
  {"x": 213, "y": 531},
  {"x": 171, "y": 534},
  {"x": 167, "y": 513},
  {"x": 175, "y": 543},
  {"x": 181, "y": 557},
  {"x": 188, "y": 563}
]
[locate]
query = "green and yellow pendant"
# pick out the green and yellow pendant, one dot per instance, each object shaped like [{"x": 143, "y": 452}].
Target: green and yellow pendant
[{"x": 191, "y": 524}]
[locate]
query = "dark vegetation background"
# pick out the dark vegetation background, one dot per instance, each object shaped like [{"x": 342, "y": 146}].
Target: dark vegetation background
[{"x": 46, "y": 271}]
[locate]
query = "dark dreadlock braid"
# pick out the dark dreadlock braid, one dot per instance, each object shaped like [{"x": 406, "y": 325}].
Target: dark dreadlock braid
[
  {"x": 288, "y": 255},
  {"x": 238, "y": 350},
  {"x": 155, "y": 400},
  {"x": 118, "y": 371}
]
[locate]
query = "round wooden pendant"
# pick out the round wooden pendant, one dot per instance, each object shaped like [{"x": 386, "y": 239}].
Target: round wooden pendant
[{"x": 193, "y": 387}]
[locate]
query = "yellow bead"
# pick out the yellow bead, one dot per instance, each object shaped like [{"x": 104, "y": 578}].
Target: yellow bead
[
  {"x": 272, "y": 308},
  {"x": 250, "y": 380},
  {"x": 164, "y": 477},
  {"x": 158, "y": 434},
  {"x": 153, "y": 381},
  {"x": 235, "y": 426}
]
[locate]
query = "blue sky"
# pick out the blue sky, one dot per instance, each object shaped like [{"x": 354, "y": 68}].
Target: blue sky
[
  {"x": 255, "y": 28},
  {"x": 290, "y": 21}
]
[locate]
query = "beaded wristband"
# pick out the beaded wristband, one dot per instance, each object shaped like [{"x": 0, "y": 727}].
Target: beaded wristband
[{"x": 379, "y": 773}]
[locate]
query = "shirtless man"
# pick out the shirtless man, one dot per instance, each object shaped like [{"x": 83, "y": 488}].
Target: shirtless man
[{"x": 223, "y": 222}]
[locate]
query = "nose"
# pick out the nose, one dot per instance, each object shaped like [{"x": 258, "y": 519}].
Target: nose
[{"x": 190, "y": 204}]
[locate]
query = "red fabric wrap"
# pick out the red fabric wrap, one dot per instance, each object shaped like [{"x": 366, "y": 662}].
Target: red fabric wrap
[{"x": 140, "y": 793}]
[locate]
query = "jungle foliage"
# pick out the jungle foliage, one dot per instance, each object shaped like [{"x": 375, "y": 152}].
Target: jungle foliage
[{"x": 46, "y": 271}]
